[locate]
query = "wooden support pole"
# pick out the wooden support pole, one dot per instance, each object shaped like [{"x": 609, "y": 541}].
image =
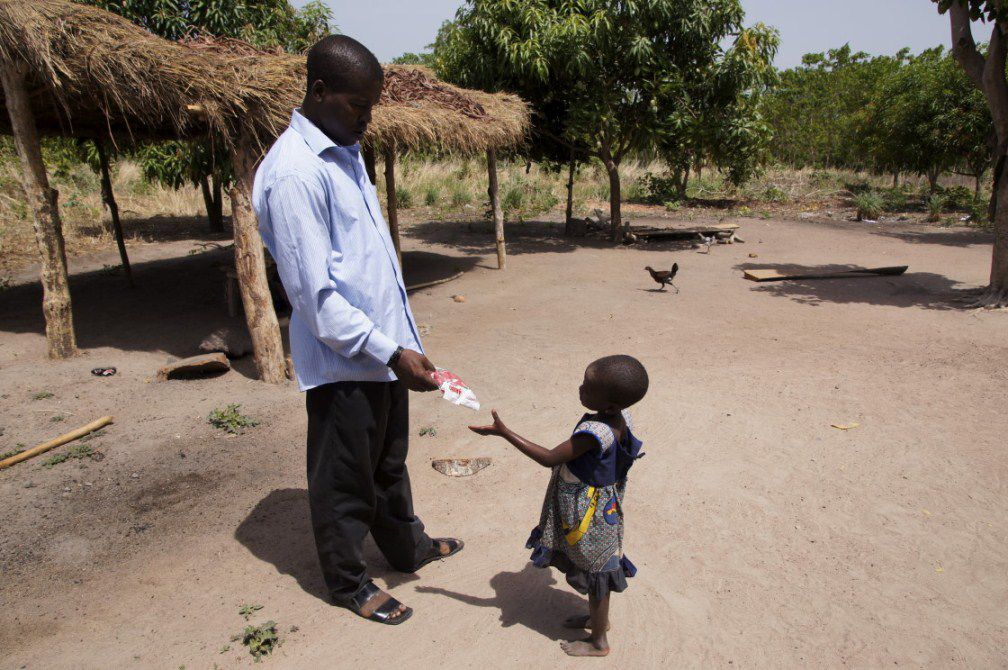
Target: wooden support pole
[
  {"x": 250, "y": 264},
  {"x": 369, "y": 162},
  {"x": 56, "y": 305},
  {"x": 498, "y": 213},
  {"x": 392, "y": 206},
  {"x": 108, "y": 197}
]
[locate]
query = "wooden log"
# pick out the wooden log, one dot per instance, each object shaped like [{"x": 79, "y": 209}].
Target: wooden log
[
  {"x": 52, "y": 444},
  {"x": 393, "y": 205},
  {"x": 194, "y": 367},
  {"x": 250, "y": 264},
  {"x": 770, "y": 274},
  {"x": 56, "y": 305},
  {"x": 369, "y": 162},
  {"x": 108, "y": 197},
  {"x": 498, "y": 213}
]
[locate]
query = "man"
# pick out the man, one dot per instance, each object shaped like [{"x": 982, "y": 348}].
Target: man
[{"x": 353, "y": 339}]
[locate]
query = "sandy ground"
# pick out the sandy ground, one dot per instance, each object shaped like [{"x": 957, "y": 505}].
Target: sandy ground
[{"x": 763, "y": 536}]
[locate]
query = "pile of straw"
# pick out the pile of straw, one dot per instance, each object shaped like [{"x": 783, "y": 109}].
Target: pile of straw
[{"x": 92, "y": 72}]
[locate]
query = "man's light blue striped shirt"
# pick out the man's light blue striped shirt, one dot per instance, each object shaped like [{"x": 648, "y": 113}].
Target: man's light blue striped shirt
[{"x": 320, "y": 219}]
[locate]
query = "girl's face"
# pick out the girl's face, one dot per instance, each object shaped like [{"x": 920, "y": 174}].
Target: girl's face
[{"x": 593, "y": 396}]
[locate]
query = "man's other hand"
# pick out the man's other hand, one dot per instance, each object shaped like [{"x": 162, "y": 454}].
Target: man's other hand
[{"x": 415, "y": 370}]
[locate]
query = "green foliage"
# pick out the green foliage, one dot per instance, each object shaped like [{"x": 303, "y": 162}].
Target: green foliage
[
  {"x": 432, "y": 195},
  {"x": 261, "y": 640},
  {"x": 869, "y": 205},
  {"x": 18, "y": 448},
  {"x": 404, "y": 197},
  {"x": 230, "y": 419},
  {"x": 774, "y": 194},
  {"x": 514, "y": 198},
  {"x": 246, "y": 611},
  {"x": 894, "y": 199},
  {"x": 42, "y": 395},
  {"x": 78, "y": 452},
  {"x": 460, "y": 196},
  {"x": 936, "y": 204},
  {"x": 658, "y": 189},
  {"x": 957, "y": 198}
]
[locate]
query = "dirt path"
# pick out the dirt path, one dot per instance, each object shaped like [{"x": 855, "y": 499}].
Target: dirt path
[{"x": 763, "y": 536}]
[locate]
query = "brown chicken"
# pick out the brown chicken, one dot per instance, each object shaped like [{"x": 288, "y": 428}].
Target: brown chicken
[{"x": 664, "y": 277}]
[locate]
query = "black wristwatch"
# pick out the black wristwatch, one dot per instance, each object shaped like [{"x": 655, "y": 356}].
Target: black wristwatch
[{"x": 394, "y": 358}]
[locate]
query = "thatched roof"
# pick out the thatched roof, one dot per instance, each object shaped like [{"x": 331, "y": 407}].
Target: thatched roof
[{"x": 90, "y": 71}]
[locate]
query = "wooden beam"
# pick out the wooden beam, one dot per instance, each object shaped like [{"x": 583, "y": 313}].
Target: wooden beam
[
  {"x": 393, "y": 205},
  {"x": 369, "y": 162},
  {"x": 498, "y": 213},
  {"x": 56, "y": 305},
  {"x": 250, "y": 264},
  {"x": 108, "y": 197}
]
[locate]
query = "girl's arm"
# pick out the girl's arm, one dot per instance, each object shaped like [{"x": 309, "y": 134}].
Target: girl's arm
[{"x": 562, "y": 453}]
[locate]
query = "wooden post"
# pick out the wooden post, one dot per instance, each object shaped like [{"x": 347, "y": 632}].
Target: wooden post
[
  {"x": 392, "y": 206},
  {"x": 250, "y": 264},
  {"x": 498, "y": 214},
  {"x": 369, "y": 162},
  {"x": 109, "y": 199},
  {"x": 56, "y": 305}
]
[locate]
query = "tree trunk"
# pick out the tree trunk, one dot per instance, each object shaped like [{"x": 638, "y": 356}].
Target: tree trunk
[
  {"x": 932, "y": 177},
  {"x": 495, "y": 205},
  {"x": 56, "y": 305},
  {"x": 369, "y": 162},
  {"x": 976, "y": 185},
  {"x": 612, "y": 168},
  {"x": 684, "y": 183},
  {"x": 250, "y": 265},
  {"x": 392, "y": 205},
  {"x": 569, "y": 213},
  {"x": 214, "y": 202},
  {"x": 108, "y": 197},
  {"x": 996, "y": 294},
  {"x": 895, "y": 179}
]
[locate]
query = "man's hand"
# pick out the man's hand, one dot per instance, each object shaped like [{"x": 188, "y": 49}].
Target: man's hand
[
  {"x": 496, "y": 428},
  {"x": 414, "y": 370}
]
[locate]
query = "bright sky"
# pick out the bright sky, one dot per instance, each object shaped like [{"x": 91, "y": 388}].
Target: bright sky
[{"x": 392, "y": 27}]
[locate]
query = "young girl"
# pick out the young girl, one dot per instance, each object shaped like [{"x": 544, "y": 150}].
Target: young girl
[{"x": 580, "y": 531}]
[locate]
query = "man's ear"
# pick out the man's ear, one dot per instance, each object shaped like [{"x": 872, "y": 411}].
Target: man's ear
[{"x": 317, "y": 90}]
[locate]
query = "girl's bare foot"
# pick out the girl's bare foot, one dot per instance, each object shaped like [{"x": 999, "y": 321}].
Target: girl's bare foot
[
  {"x": 588, "y": 647},
  {"x": 581, "y": 621}
]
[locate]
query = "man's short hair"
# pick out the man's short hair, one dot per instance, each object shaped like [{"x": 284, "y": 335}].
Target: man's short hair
[
  {"x": 623, "y": 377},
  {"x": 343, "y": 64}
]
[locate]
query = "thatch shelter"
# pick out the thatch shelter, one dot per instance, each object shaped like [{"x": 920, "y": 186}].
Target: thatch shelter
[{"x": 75, "y": 70}]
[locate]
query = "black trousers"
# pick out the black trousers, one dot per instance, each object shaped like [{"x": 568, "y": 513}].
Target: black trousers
[{"x": 358, "y": 436}]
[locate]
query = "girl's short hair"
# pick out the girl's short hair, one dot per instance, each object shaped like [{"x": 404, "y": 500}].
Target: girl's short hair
[{"x": 623, "y": 378}]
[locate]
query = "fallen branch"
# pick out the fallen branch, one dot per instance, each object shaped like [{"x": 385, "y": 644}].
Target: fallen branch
[{"x": 52, "y": 444}]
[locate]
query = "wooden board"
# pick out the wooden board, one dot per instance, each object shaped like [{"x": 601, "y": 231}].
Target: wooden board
[
  {"x": 683, "y": 233},
  {"x": 771, "y": 274}
]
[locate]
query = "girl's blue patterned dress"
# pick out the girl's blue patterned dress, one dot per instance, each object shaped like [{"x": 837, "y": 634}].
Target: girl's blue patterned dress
[{"x": 580, "y": 531}]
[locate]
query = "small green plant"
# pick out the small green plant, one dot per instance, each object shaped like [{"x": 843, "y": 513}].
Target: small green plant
[
  {"x": 246, "y": 611},
  {"x": 869, "y": 205},
  {"x": 936, "y": 204},
  {"x": 958, "y": 198},
  {"x": 58, "y": 418},
  {"x": 765, "y": 214},
  {"x": 230, "y": 419},
  {"x": 978, "y": 213},
  {"x": 673, "y": 205},
  {"x": 111, "y": 269},
  {"x": 78, "y": 452},
  {"x": 55, "y": 460},
  {"x": 261, "y": 640},
  {"x": 774, "y": 194},
  {"x": 404, "y": 197},
  {"x": 432, "y": 195},
  {"x": 513, "y": 199},
  {"x": 894, "y": 199},
  {"x": 430, "y": 431},
  {"x": 18, "y": 448},
  {"x": 42, "y": 395}
]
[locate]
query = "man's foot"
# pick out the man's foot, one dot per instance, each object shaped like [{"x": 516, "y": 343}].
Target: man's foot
[
  {"x": 376, "y": 605},
  {"x": 581, "y": 621},
  {"x": 442, "y": 547},
  {"x": 587, "y": 647}
]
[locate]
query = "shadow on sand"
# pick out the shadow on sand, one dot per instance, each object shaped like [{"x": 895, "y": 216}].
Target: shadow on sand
[{"x": 912, "y": 289}]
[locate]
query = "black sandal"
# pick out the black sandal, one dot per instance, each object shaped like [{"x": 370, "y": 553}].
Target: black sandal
[
  {"x": 454, "y": 547},
  {"x": 384, "y": 613}
]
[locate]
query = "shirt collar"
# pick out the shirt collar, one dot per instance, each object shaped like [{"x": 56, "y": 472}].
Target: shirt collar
[{"x": 313, "y": 136}]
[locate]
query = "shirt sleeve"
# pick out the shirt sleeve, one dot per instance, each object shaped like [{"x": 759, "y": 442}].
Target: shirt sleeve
[
  {"x": 602, "y": 433},
  {"x": 299, "y": 222}
]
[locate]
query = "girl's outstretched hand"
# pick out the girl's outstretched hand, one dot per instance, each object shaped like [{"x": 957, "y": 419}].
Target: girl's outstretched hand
[{"x": 496, "y": 428}]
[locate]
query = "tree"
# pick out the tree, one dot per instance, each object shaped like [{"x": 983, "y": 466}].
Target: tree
[
  {"x": 595, "y": 70},
  {"x": 176, "y": 164},
  {"x": 987, "y": 72}
]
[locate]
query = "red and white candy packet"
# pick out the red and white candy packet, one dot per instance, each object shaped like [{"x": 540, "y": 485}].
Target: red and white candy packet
[{"x": 454, "y": 390}]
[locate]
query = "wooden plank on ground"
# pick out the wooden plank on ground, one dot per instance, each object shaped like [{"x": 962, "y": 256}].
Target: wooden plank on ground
[
  {"x": 193, "y": 367},
  {"x": 684, "y": 233},
  {"x": 771, "y": 274}
]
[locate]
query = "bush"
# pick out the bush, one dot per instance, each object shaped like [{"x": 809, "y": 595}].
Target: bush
[
  {"x": 936, "y": 204},
  {"x": 460, "y": 196},
  {"x": 774, "y": 194},
  {"x": 958, "y": 198},
  {"x": 656, "y": 190},
  {"x": 404, "y": 197},
  {"x": 513, "y": 199},
  {"x": 894, "y": 199},
  {"x": 432, "y": 195},
  {"x": 869, "y": 205},
  {"x": 978, "y": 213},
  {"x": 858, "y": 187}
]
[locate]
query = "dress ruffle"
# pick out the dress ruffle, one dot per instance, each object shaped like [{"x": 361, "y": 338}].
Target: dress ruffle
[{"x": 595, "y": 584}]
